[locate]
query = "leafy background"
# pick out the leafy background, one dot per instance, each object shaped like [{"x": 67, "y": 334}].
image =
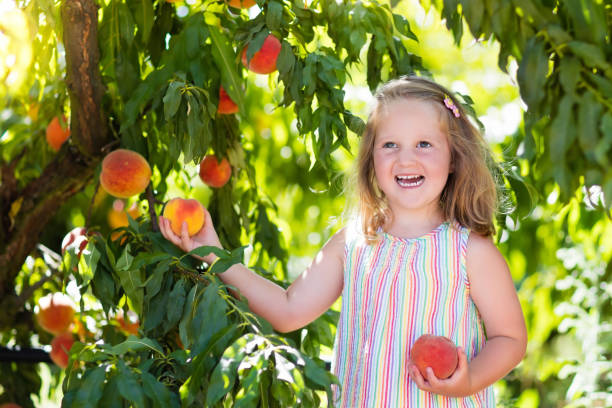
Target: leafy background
[{"x": 541, "y": 82}]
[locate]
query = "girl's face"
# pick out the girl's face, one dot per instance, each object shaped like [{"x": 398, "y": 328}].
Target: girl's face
[{"x": 412, "y": 157}]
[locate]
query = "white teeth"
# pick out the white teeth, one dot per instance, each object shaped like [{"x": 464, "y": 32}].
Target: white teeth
[{"x": 409, "y": 181}]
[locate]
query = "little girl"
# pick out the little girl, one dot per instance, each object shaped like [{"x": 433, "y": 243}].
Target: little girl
[{"x": 418, "y": 260}]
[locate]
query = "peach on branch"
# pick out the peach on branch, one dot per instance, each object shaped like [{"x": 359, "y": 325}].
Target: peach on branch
[
  {"x": 55, "y": 312},
  {"x": 437, "y": 352},
  {"x": 57, "y": 133},
  {"x": 124, "y": 173},
  {"x": 264, "y": 60},
  {"x": 226, "y": 105},
  {"x": 179, "y": 210},
  {"x": 117, "y": 216},
  {"x": 241, "y": 3},
  {"x": 60, "y": 346},
  {"x": 215, "y": 173}
]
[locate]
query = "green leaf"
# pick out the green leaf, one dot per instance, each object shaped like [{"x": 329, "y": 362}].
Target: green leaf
[
  {"x": 223, "y": 264},
  {"x": 128, "y": 385},
  {"x": 144, "y": 15},
  {"x": 90, "y": 391},
  {"x": 188, "y": 312},
  {"x": 403, "y": 26},
  {"x": 176, "y": 301},
  {"x": 88, "y": 264},
  {"x": 562, "y": 129},
  {"x": 255, "y": 44},
  {"x": 111, "y": 397},
  {"x": 286, "y": 59},
  {"x": 605, "y": 143},
  {"x": 225, "y": 58},
  {"x": 591, "y": 55},
  {"x": 103, "y": 287},
  {"x": 125, "y": 24},
  {"x": 473, "y": 12},
  {"x": 532, "y": 73},
  {"x": 154, "y": 281},
  {"x": 172, "y": 99},
  {"x": 134, "y": 344},
  {"x": 274, "y": 15},
  {"x": 224, "y": 375},
  {"x": 157, "y": 392},
  {"x": 125, "y": 260},
  {"x": 589, "y": 112},
  {"x": 569, "y": 74},
  {"x": 209, "y": 317}
]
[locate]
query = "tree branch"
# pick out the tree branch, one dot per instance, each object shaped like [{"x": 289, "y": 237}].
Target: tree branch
[{"x": 74, "y": 165}]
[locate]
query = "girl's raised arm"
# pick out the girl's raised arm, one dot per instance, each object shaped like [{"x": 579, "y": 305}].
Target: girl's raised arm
[{"x": 309, "y": 296}]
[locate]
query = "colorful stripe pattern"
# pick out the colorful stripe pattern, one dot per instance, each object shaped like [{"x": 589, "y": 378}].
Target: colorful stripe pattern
[{"x": 395, "y": 291}]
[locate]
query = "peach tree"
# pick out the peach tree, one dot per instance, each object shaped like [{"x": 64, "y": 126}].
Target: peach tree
[{"x": 167, "y": 80}]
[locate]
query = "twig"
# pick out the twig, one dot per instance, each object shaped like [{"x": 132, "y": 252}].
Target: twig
[{"x": 152, "y": 201}]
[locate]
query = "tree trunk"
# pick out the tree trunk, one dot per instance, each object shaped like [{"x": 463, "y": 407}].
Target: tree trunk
[{"x": 26, "y": 212}]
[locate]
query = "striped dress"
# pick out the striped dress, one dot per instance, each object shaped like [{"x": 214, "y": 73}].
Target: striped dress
[{"x": 395, "y": 291}]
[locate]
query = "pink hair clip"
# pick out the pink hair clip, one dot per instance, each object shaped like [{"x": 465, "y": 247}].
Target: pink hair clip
[{"x": 448, "y": 102}]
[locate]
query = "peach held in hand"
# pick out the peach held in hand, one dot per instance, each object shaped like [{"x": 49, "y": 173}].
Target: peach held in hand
[
  {"x": 124, "y": 173},
  {"x": 178, "y": 210},
  {"x": 437, "y": 352}
]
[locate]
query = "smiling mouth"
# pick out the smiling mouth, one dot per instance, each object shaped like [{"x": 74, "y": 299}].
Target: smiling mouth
[{"x": 409, "y": 181}]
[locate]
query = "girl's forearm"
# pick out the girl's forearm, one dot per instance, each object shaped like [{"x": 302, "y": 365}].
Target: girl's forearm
[{"x": 496, "y": 359}]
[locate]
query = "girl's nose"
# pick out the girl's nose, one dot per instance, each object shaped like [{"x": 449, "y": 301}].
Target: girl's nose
[{"x": 407, "y": 156}]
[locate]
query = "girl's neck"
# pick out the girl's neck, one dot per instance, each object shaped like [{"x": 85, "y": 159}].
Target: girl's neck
[{"x": 413, "y": 226}]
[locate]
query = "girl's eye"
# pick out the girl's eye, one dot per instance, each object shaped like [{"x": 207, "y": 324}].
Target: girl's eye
[
  {"x": 389, "y": 145},
  {"x": 423, "y": 144}
]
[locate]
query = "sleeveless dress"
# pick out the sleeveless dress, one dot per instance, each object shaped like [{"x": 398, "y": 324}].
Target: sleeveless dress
[{"x": 394, "y": 291}]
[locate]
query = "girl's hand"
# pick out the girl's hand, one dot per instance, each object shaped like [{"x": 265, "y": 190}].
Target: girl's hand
[
  {"x": 457, "y": 385},
  {"x": 206, "y": 237}
]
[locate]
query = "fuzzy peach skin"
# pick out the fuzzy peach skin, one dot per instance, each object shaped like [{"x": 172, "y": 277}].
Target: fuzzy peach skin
[
  {"x": 56, "y": 134},
  {"x": 241, "y": 3},
  {"x": 55, "y": 312},
  {"x": 437, "y": 352},
  {"x": 215, "y": 173},
  {"x": 124, "y": 173},
  {"x": 179, "y": 210},
  {"x": 60, "y": 345},
  {"x": 226, "y": 105},
  {"x": 264, "y": 60}
]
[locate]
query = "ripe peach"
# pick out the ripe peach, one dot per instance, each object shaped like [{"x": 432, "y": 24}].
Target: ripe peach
[
  {"x": 55, "y": 312},
  {"x": 178, "y": 210},
  {"x": 117, "y": 216},
  {"x": 60, "y": 345},
  {"x": 214, "y": 173},
  {"x": 241, "y": 3},
  {"x": 124, "y": 173},
  {"x": 437, "y": 352},
  {"x": 264, "y": 60},
  {"x": 57, "y": 133},
  {"x": 226, "y": 105}
]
